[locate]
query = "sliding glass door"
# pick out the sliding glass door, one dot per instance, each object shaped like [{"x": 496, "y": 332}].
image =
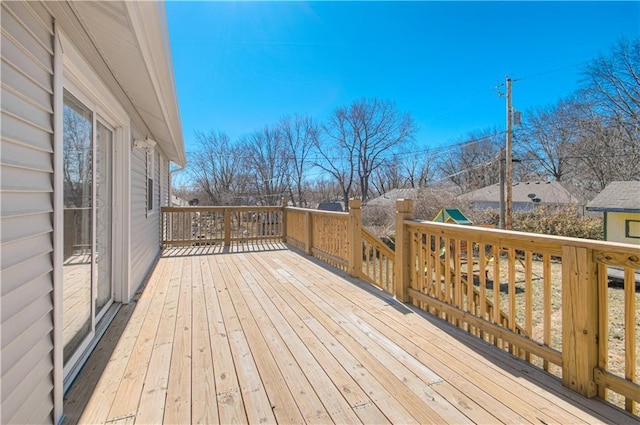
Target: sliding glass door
[{"x": 87, "y": 267}]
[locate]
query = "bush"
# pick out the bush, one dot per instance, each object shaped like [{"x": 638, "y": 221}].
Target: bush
[{"x": 563, "y": 222}]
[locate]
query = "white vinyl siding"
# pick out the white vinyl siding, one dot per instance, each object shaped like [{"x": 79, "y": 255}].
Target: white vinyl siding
[
  {"x": 26, "y": 215},
  {"x": 145, "y": 228}
]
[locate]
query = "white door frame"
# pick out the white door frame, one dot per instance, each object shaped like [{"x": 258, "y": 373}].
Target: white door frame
[{"x": 72, "y": 73}]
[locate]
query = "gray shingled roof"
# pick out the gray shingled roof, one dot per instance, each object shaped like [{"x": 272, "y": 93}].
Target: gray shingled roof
[
  {"x": 390, "y": 197},
  {"x": 548, "y": 192},
  {"x": 617, "y": 196}
]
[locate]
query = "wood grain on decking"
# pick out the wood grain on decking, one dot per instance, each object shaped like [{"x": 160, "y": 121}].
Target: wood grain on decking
[{"x": 272, "y": 336}]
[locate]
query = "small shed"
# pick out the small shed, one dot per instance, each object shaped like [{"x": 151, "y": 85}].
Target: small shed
[
  {"x": 452, "y": 215},
  {"x": 619, "y": 201},
  {"x": 330, "y": 206}
]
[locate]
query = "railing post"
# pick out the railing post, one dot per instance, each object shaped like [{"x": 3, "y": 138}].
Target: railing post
[
  {"x": 579, "y": 320},
  {"x": 227, "y": 227},
  {"x": 283, "y": 223},
  {"x": 404, "y": 211},
  {"x": 355, "y": 237},
  {"x": 308, "y": 231}
]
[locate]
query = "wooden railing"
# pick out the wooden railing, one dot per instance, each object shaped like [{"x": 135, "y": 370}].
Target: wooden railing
[
  {"x": 190, "y": 226},
  {"x": 377, "y": 262},
  {"x": 340, "y": 240},
  {"x": 546, "y": 299},
  {"x": 323, "y": 234}
]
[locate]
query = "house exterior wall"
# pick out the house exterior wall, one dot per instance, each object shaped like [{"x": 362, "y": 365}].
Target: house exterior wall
[
  {"x": 33, "y": 77},
  {"x": 26, "y": 218},
  {"x": 616, "y": 225},
  {"x": 145, "y": 225}
]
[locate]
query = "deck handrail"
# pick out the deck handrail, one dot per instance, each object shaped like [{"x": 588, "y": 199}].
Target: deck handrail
[
  {"x": 190, "y": 226},
  {"x": 451, "y": 271},
  {"x": 323, "y": 234},
  {"x": 339, "y": 239},
  {"x": 377, "y": 262}
]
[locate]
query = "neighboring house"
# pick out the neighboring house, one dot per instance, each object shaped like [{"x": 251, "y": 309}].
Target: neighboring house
[
  {"x": 620, "y": 203},
  {"x": 525, "y": 196},
  {"x": 388, "y": 200},
  {"x": 178, "y": 202},
  {"x": 90, "y": 124}
]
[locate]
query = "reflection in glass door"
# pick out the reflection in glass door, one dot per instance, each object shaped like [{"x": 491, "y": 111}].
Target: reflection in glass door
[
  {"x": 104, "y": 291},
  {"x": 87, "y": 187}
]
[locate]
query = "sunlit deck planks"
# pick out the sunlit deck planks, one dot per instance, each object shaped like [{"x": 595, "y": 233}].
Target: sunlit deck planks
[{"x": 270, "y": 336}]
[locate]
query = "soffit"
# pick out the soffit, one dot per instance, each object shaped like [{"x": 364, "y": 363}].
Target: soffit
[{"x": 133, "y": 62}]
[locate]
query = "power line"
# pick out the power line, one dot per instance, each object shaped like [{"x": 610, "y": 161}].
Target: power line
[{"x": 550, "y": 71}]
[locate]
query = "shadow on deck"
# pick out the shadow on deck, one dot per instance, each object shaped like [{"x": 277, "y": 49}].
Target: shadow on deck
[{"x": 270, "y": 335}]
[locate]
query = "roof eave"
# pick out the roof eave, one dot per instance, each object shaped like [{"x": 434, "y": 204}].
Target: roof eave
[
  {"x": 610, "y": 209},
  {"x": 149, "y": 24}
]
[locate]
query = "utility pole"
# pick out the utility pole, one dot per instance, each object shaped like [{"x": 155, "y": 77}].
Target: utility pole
[
  {"x": 501, "y": 175},
  {"x": 509, "y": 159}
]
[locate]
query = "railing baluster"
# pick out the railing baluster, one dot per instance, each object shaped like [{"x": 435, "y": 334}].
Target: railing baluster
[
  {"x": 528, "y": 300},
  {"x": 547, "y": 312},
  {"x": 511, "y": 258},
  {"x": 629, "y": 332}
]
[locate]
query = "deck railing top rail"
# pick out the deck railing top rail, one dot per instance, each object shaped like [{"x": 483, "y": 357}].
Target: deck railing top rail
[{"x": 550, "y": 241}]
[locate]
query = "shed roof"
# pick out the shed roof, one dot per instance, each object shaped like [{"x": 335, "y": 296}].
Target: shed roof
[
  {"x": 617, "y": 196},
  {"x": 390, "y": 197}
]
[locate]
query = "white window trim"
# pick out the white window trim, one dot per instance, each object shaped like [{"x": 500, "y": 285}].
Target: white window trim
[{"x": 72, "y": 73}]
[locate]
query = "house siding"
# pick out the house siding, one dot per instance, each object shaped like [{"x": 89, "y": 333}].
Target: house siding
[
  {"x": 26, "y": 215},
  {"x": 616, "y": 225},
  {"x": 145, "y": 227}
]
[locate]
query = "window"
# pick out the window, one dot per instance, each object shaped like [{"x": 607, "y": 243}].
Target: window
[
  {"x": 150, "y": 174},
  {"x": 632, "y": 229}
]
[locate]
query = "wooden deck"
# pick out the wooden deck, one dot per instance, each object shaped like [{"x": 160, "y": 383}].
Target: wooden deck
[{"x": 273, "y": 336}]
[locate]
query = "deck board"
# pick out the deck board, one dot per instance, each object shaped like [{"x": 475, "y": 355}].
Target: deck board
[{"x": 272, "y": 336}]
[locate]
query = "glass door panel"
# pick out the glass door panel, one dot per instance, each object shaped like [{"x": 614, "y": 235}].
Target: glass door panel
[
  {"x": 104, "y": 179},
  {"x": 78, "y": 223}
]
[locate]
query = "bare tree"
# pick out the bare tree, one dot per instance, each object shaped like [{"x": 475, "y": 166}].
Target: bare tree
[
  {"x": 388, "y": 176},
  {"x": 612, "y": 83},
  {"x": 474, "y": 162},
  {"x": 323, "y": 190},
  {"x": 359, "y": 139},
  {"x": 215, "y": 168},
  {"x": 300, "y": 134},
  {"x": 266, "y": 157},
  {"x": 604, "y": 154},
  {"x": 419, "y": 169},
  {"x": 77, "y": 169},
  {"x": 609, "y": 148},
  {"x": 548, "y": 137}
]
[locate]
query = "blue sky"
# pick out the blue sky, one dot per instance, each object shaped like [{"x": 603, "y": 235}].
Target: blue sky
[{"x": 242, "y": 65}]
